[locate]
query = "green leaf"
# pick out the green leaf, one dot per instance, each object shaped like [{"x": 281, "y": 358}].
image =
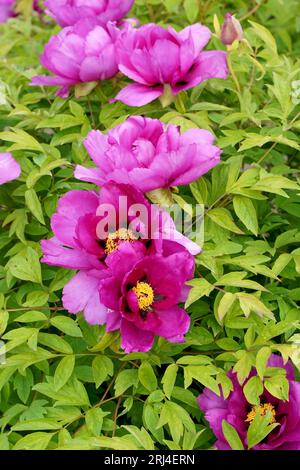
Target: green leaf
[
  {"x": 26, "y": 266},
  {"x": 236, "y": 279},
  {"x": 94, "y": 420},
  {"x": 55, "y": 342},
  {"x": 63, "y": 121},
  {"x": 200, "y": 288},
  {"x": 245, "y": 210},
  {"x": 225, "y": 304},
  {"x": 232, "y": 436},
  {"x": 191, "y": 8},
  {"x": 66, "y": 325},
  {"x": 22, "y": 140},
  {"x": 34, "y": 205},
  {"x": 141, "y": 436},
  {"x": 265, "y": 35},
  {"x": 259, "y": 429},
  {"x": 253, "y": 389},
  {"x": 3, "y": 321},
  {"x": 37, "y": 425},
  {"x": 168, "y": 380},
  {"x": 177, "y": 418},
  {"x": 224, "y": 218},
  {"x": 34, "y": 441},
  {"x": 243, "y": 366},
  {"x": 102, "y": 366},
  {"x": 63, "y": 371},
  {"x": 249, "y": 303},
  {"x": 278, "y": 386},
  {"x": 126, "y": 379},
  {"x": 262, "y": 358},
  {"x": 73, "y": 393},
  {"x": 147, "y": 376}
]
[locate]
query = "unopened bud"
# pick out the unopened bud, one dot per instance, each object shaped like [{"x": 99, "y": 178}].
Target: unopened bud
[{"x": 231, "y": 30}]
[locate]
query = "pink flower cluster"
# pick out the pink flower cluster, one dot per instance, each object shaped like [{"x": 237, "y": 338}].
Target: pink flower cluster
[
  {"x": 96, "y": 43},
  {"x": 133, "y": 267},
  {"x": 132, "y": 264}
]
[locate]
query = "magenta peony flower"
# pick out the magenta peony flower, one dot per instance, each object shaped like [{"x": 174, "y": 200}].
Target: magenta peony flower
[
  {"x": 142, "y": 294},
  {"x": 79, "y": 54},
  {"x": 9, "y": 168},
  {"x": 163, "y": 62},
  {"x": 6, "y": 10},
  {"x": 231, "y": 30},
  {"x": 149, "y": 155},
  {"x": 79, "y": 244},
  {"x": 68, "y": 12},
  {"x": 237, "y": 411}
]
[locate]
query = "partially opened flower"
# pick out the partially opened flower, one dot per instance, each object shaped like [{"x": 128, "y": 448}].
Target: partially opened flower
[
  {"x": 239, "y": 414},
  {"x": 147, "y": 154},
  {"x": 79, "y": 54},
  {"x": 9, "y": 168},
  {"x": 142, "y": 295},
  {"x": 68, "y": 12},
  {"x": 6, "y": 10},
  {"x": 163, "y": 62},
  {"x": 88, "y": 227}
]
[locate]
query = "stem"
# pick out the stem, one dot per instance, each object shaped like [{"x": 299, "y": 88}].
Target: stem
[
  {"x": 266, "y": 153},
  {"x": 252, "y": 11},
  {"x": 234, "y": 77},
  {"x": 91, "y": 113},
  {"x": 116, "y": 414}
]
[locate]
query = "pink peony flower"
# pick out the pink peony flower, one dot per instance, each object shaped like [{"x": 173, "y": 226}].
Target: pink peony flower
[
  {"x": 6, "y": 10},
  {"x": 9, "y": 168},
  {"x": 149, "y": 155},
  {"x": 78, "y": 244},
  {"x": 237, "y": 411},
  {"x": 231, "y": 30},
  {"x": 68, "y": 12},
  {"x": 142, "y": 294},
  {"x": 79, "y": 54},
  {"x": 163, "y": 62}
]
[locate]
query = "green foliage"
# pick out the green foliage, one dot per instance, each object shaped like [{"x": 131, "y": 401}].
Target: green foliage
[{"x": 68, "y": 385}]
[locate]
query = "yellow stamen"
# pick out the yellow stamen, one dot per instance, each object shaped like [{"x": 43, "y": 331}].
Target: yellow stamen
[
  {"x": 121, "y": 235},
  {"x": 145, "y": 295},
  {"x": 262, "y": 410}
]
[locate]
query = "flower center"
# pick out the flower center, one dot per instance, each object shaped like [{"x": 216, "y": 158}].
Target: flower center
[
  {"x": 113, "y": 239},
  {"x": 262, "y": 409},
  {"x": 145, "y": 295}
]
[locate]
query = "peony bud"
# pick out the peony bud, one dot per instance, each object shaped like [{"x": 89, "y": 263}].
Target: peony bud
[{"x": 231, "y": 30}]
